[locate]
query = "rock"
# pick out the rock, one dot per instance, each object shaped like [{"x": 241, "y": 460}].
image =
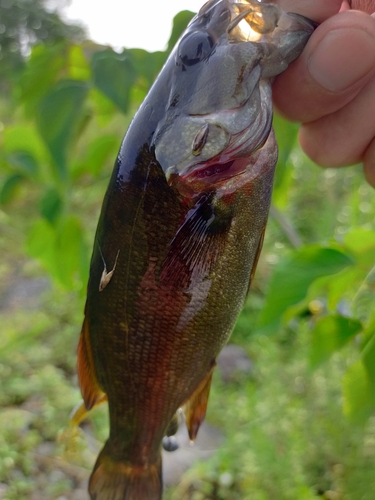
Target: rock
[{"x": 232, "y": 362}]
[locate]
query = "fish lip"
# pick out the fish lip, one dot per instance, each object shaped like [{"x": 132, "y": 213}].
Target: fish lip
[
  {"x": 238, "y": 151},
  {"x": 303, "y": 21}
]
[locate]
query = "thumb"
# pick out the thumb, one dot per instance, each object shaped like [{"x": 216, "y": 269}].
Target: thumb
[{"x": 336, "y": 64}]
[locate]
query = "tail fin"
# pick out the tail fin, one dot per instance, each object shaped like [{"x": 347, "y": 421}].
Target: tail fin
[{"x": 112, "y": 480}]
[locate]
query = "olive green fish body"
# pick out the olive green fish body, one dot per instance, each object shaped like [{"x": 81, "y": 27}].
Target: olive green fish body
[{"x": 179, "y": 236}]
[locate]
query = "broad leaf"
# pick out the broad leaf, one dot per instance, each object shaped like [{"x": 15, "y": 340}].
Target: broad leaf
[
  {"x": 358, "y": 392},
  {"x": 61, "y": 250},
  {"x": 286, "y": 134},
  {"x": 51, "y": 205},
  {"x": 147, "y": 64},
  {"x": 58, "y": 117},
  {"x": 292, "y": 277},
  {"x": 24, "y": 138},
  {"x": 329, "y": 335},
  {"x": 114, "y": 74},
  {"x": 24, "y": 163},
  {"x": 9, "y": 188},
  {"x": 364, "y": 301},
  {"x": 100, "y": 153},
  {"x": 360, "y": 242},
  {"x": 79, "y": 68},
  {"x": 42, "y": 70}
]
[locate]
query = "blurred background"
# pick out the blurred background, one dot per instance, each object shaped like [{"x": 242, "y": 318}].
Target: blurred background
[{"x": 291, "y": 413}]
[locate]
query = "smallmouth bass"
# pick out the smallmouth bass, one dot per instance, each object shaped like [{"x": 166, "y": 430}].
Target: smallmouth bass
[{"x": 179, "y": 236}]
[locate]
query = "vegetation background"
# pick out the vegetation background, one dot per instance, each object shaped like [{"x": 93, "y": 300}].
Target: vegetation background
[{"x": 301, "y": 424}]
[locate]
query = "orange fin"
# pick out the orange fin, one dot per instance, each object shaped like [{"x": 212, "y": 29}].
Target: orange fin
[
  {"x": 91, "y": 392},
  {"x": 80, "y": 412},
  {"x": 116, "y": 480},
  {"x": 195, "y": 407}
]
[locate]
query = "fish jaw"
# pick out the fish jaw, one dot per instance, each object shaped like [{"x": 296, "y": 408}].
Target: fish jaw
[{"x": 220, "y": 105}]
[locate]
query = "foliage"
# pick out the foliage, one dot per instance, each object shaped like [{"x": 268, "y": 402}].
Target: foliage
[
  {"x": 303, "y": 424},
  {"x": 25, "y": 23},
  {"x": 64, "y": 132}
]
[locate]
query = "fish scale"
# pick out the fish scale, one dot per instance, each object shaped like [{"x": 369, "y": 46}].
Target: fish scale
[{"x": 179, "y": 237}]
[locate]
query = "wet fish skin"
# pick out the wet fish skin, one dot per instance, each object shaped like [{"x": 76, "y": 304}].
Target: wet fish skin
[{"x": 178, "y": 238}]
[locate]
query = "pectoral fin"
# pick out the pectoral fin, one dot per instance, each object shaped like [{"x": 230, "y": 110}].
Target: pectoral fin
[
  {"x": 90, "y": 389},
  {"x": 195, "y": 407}
]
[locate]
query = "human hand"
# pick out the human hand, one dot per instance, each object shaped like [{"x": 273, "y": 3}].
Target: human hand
[{"x": 330, "y": 89}]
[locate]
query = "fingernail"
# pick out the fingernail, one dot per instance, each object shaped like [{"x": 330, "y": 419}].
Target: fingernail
[{"x": 341, "y": 58}]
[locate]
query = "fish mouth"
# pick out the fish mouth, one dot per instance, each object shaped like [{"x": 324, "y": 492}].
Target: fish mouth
[
  {"x": 216, "y": 171},
  {"x": 236, "y": 158},
  {"x": 217, "y": 141},
  {"x": 250, "y": 20}
]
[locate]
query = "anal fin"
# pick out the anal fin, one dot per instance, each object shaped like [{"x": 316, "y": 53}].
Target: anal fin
[
  {"x": 90, "y": 389},
  {"x": 196, "y": 406}
]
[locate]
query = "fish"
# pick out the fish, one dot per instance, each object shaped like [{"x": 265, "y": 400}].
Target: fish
[{"x": 179, "y": 236}]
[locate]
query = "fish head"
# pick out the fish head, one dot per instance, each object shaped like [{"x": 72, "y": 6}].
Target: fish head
[{"x": 219, "y": 107}]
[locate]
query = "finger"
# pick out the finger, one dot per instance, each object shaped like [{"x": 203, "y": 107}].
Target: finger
[
  {"x": 343, "y": 137},
  {"x": 369, "y": 163},
  {"x": 317, "y": 10},
  {"x": 337, "y": 62},
  {"x": 364, "y": 5}
]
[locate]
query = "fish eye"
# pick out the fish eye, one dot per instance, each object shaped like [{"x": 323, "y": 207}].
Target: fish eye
[{"x": 195, "y": 47}]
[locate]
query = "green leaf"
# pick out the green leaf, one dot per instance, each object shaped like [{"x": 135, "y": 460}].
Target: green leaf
[
  {"x": 114, "y": 74},
  {"x": 71, "y": 254},
  {"x": 361, "y": 243},
  {"x": 9, "y": 188},
  {"x": 147, "y": 64},
  {"x": 61, "y": 250},
  {"x": 23, "y": 138},
  {"x": 24, "y": 163},
  {"x": 51, "y": 205},
  {"x": 102, "y": 151},
  {"x": 180, "y": 22},
  {"x": 364, "y": 301},
  {"x": 40, "y": 244},
  {"x": 358, "y": 393},
  {"x": 42, "y": 70},
  {"x": 368, "y": 357},
  {"x": 292, "y": 277},
  {"x": 79, "y": 68},
  {"x": 286, "y": 134},
  {"x": 58, "y": 117},
  {"x": 329, "y": 335}
]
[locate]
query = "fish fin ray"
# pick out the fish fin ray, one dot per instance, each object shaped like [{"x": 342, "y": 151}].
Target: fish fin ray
[
  {"x": 196, "y": 406},
  {"x": 195, "y": 247},
  {"x": 88, "y": 382},
  {"x": 80, "y": 412},
  {"x": 116, "y": 480}
]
